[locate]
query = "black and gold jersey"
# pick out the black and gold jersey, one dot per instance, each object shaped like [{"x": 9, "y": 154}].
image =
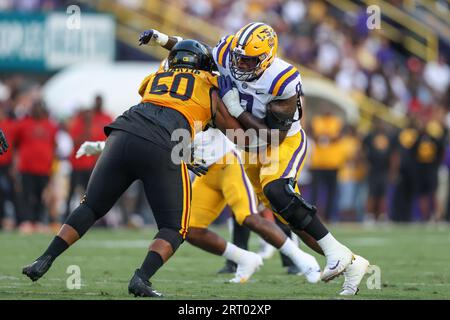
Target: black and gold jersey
[
  {"x": 185, "y": 90},
  {"x": 171, "y": 99}
]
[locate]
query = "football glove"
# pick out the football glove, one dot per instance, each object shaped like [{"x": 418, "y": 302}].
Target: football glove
[
  {"x": 230, "y": 96},
  {"x": 151, "y": 37},
  {"x": 196, "y": 165},
  {"x": 3, "y": 143},
  {"x": 198, "y": 169},
  {"x": 90, "y": 148}
]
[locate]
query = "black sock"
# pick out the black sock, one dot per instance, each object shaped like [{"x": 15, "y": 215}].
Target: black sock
[
  {"x": 230, "y": 263},
  {"x": 151, "y": 264},
  {"x": 316, "y": 229},
  {"x": 241, "y": 235},
  {"x": 56, "y": 247}
]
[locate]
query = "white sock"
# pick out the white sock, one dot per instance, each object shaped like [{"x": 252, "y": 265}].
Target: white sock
[
  {"x": 329, "y": 244},
  {"x": 290, "y": 249},
  {"x": 234, "y": 253},
  {"x": 295, "y": 239}
]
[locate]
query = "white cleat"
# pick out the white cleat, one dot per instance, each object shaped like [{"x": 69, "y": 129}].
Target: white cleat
[
  {"x": 353, "y": 274},
  {"x": 245, "y": 270},
  {"x": 310, "y": 268},
  {"x": 337, "y": 264}
]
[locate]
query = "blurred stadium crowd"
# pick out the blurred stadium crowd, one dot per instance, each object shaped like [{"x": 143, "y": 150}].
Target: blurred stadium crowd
[
  {"x": 386, "y": 174},
  {"x": 340, "y": 48},
  {"x": 33, "y": 5}
]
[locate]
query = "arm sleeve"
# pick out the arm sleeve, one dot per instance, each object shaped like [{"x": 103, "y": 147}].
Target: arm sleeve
[{"x": 218, "y": 47}]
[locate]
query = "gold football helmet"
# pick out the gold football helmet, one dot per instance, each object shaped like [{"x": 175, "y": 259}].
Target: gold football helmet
[{"x": 252, "y": 51}]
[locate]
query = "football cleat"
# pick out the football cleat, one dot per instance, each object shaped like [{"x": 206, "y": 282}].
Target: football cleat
[
  {"x": 245, "y": 270},
  {"x": 142, "y": 288},
  {"x": 353, "y": 274},
  {"x": 310, "y": 269},
  {"x": 38, "y": 268},
  {"x": 307, "y": 265},
  {"x": 229, "y": 267},
  {"x": 337, "y": 264}
]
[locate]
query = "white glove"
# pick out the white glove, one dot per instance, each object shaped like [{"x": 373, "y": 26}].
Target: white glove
[
  {"x": 159, "y": 38},
  {"x": 230, "y": 96},
  {"x": 233, "y": 102},
  {"x": 90, "y": 148}
]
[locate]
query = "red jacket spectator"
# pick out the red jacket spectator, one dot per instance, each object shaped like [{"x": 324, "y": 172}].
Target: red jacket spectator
[
  {"x": 80, "y": 129},
  {"x": 87, "y": 126},
  {"x": 101, "y": 119},
  {"x": 8, "y": 127},
  {"x": 36, "y": 142}
]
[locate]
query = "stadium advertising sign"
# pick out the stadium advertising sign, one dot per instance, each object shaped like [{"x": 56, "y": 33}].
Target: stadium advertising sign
[{"x": 45, "y": 42}]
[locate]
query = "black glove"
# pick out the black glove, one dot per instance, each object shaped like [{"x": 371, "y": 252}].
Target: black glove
[
  {"x": 3, "y": 143},
  {"x": 198, "y": 169},
  {"x": 146, "y": 36}
]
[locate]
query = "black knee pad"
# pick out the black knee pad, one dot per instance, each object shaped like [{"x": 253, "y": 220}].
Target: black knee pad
[
  {"x": 81, "y": 219},
  {"x": 172, "y": 236},
  {"x": 289, "y": 204}
]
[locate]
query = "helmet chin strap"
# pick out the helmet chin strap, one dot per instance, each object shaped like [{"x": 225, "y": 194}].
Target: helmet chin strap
[{"x": 240, "y": 76}]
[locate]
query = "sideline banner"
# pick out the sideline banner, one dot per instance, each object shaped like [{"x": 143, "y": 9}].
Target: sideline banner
[{"x": 47, "y": 42}]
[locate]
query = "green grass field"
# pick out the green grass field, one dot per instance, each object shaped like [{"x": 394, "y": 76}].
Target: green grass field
[{"x": 414, "y": 262}]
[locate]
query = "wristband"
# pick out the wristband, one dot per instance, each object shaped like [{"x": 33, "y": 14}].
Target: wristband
[
  {"x": 101, "y": 145},
  {"x": 160, "y": 38},
  {"x": 178, "y": 38}
]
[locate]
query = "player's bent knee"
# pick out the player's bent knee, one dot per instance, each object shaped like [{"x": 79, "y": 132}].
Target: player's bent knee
[
  {"x": 172, "y": 236},
  {"x": 195, "y": 233},
  {"x": 288, "y": 203},
  {"x": 253, "y": 221},
  {"x": 81, "y": 219}
]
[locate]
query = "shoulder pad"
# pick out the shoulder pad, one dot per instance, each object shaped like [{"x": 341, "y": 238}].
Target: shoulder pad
[
  {"x": 222, "y": 50},
  {"x": 282, "y": 78}
]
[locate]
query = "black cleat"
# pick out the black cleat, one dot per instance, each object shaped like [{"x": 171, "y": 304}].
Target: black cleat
[
  {"x": 142, "y": 288},
  {"x": 38, "y": 268},
  {"x": 229, "y": 267}
]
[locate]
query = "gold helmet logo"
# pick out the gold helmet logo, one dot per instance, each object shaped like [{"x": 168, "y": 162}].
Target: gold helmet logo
[{"x": 256, "y": 42}]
